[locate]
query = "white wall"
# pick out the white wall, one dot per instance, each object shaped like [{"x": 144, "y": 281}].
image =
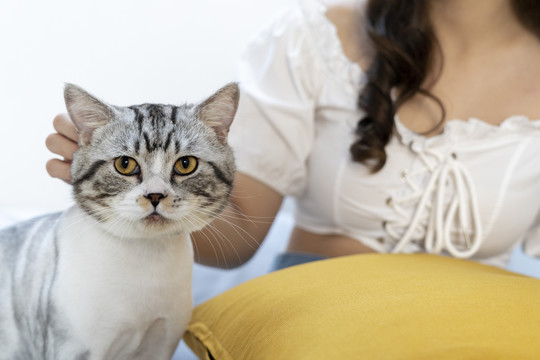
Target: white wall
[{"x": 124, "y": 51}]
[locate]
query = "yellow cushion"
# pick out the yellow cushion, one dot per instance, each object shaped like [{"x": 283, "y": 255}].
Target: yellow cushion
[{"x": 373, "y": 307}]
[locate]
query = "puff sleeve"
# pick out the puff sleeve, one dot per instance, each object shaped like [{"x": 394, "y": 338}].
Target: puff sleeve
[{"x": 273, "y": 131}]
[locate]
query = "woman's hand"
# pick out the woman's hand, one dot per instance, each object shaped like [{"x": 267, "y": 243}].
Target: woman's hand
[{"x": 63, "y": 143}]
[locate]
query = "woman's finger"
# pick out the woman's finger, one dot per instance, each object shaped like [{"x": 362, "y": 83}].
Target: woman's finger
[
  {"x": 59, "y": 169},
  {"x": 63, "y": 124},
  {"x": 61, "y": 145}
]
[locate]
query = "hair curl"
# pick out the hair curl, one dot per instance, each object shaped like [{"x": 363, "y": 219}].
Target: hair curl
[{"x": 404, "y": 43}]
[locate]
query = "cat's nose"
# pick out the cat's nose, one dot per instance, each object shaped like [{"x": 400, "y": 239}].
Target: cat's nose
[{"x": 155, "y": 198}]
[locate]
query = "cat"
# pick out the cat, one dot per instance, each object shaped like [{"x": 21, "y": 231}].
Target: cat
[{"x": 110, "y": 278}]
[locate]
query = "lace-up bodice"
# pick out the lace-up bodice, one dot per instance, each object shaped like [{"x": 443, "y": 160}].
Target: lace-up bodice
[{"x": 446, "y": 215}]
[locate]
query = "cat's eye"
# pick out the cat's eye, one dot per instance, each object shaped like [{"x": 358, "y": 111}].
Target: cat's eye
[
  {"x": 126, "y": 166},
  {"x": 186, "y": 165}
]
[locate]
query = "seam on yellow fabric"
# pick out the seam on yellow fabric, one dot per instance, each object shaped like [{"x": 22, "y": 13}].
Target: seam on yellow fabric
[{"x": 201, "y": 340}]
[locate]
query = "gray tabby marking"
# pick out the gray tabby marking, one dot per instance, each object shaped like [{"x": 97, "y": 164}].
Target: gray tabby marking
[{"x": 110, "y": 278}]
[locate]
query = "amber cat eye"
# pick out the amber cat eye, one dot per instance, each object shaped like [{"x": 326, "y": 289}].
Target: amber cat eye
[
  {"x": 186, "y": 165},
  {"x": 126, "y": 166}
]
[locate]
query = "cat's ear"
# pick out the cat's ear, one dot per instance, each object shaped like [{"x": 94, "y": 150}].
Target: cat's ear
[
  {"x": 218, "y": 110},
  {"x": 87, "y": 112}
]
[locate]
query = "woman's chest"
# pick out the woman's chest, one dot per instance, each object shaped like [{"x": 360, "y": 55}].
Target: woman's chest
[{"x": 475, "y": 187}]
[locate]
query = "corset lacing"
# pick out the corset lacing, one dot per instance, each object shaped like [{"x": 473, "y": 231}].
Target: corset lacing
[{"x": 448, "y": 201}]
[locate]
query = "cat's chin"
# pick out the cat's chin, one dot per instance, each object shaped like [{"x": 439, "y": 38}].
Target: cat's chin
[
  {"x": 155, "y": 219},
  {"x": 152, "y": 227}
]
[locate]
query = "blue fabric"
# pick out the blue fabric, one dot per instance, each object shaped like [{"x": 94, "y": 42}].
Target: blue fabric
[{"x": 286, "y": 260}]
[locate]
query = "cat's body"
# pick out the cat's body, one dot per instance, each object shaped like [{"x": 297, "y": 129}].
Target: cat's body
[
  {"x": 122, "y": 299},
  {"x": 111, "y": 277}
]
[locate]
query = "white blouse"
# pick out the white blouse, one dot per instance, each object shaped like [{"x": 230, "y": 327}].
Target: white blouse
[{"x": 471, "y": 192}]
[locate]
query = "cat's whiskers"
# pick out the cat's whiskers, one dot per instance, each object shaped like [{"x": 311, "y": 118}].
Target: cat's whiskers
[
  {"x": 217, "y": 235},
  {"x": 118, "y": 223},
  {"x": 211, "y": 243},
  {"x": 221, "y": 237},
  {"x": 242, "y": 217},
  {"x": 233, "y": 209},
  {"x": 102, "y": 216},
  {"x": 195, "y": 249},
  {"x": 82, "y": 217},
  {"x": 237, "y": 229},
  {"x": 213, "y": 248}
]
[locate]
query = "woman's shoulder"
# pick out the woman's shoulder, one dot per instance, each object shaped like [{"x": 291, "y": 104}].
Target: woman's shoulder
[
  {"x": 336, "y": 36},
  {"x": 336, "y": 29},
  {"x": 348, "y": 19},
  {"x": 320, "y": 44}
]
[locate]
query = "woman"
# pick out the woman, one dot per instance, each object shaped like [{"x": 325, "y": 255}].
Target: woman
[{"x": 397, "y": 126}]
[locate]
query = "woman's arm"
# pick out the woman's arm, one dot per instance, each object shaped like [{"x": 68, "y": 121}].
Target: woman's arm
[{"x": 230, "y": 240}]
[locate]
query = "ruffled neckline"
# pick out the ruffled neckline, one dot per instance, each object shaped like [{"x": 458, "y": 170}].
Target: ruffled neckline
[
  {"x": 457, "y": 129},
  {"x": 328, "y": 45}
]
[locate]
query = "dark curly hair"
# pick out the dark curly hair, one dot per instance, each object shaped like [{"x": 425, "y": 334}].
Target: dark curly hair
[{"x": 404, "y": 46}]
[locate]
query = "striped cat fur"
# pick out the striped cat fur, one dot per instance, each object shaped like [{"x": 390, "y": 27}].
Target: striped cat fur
[{"x": 110, "y": 278}]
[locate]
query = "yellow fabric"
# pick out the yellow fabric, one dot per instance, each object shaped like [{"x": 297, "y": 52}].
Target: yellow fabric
[{"x": 373, "y": 307}]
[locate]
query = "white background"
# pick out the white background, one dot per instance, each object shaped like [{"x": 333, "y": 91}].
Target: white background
[{"x": 124, "y": 51}]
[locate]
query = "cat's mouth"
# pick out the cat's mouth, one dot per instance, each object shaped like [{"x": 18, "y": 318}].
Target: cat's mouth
[{"x": 155, "y": 218}]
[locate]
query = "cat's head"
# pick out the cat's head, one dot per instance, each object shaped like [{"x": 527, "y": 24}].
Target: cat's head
[{"x": 152, "y": 170}]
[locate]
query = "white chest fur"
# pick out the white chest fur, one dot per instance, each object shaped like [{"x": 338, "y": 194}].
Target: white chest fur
[{"x": 123, "y": 298}]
